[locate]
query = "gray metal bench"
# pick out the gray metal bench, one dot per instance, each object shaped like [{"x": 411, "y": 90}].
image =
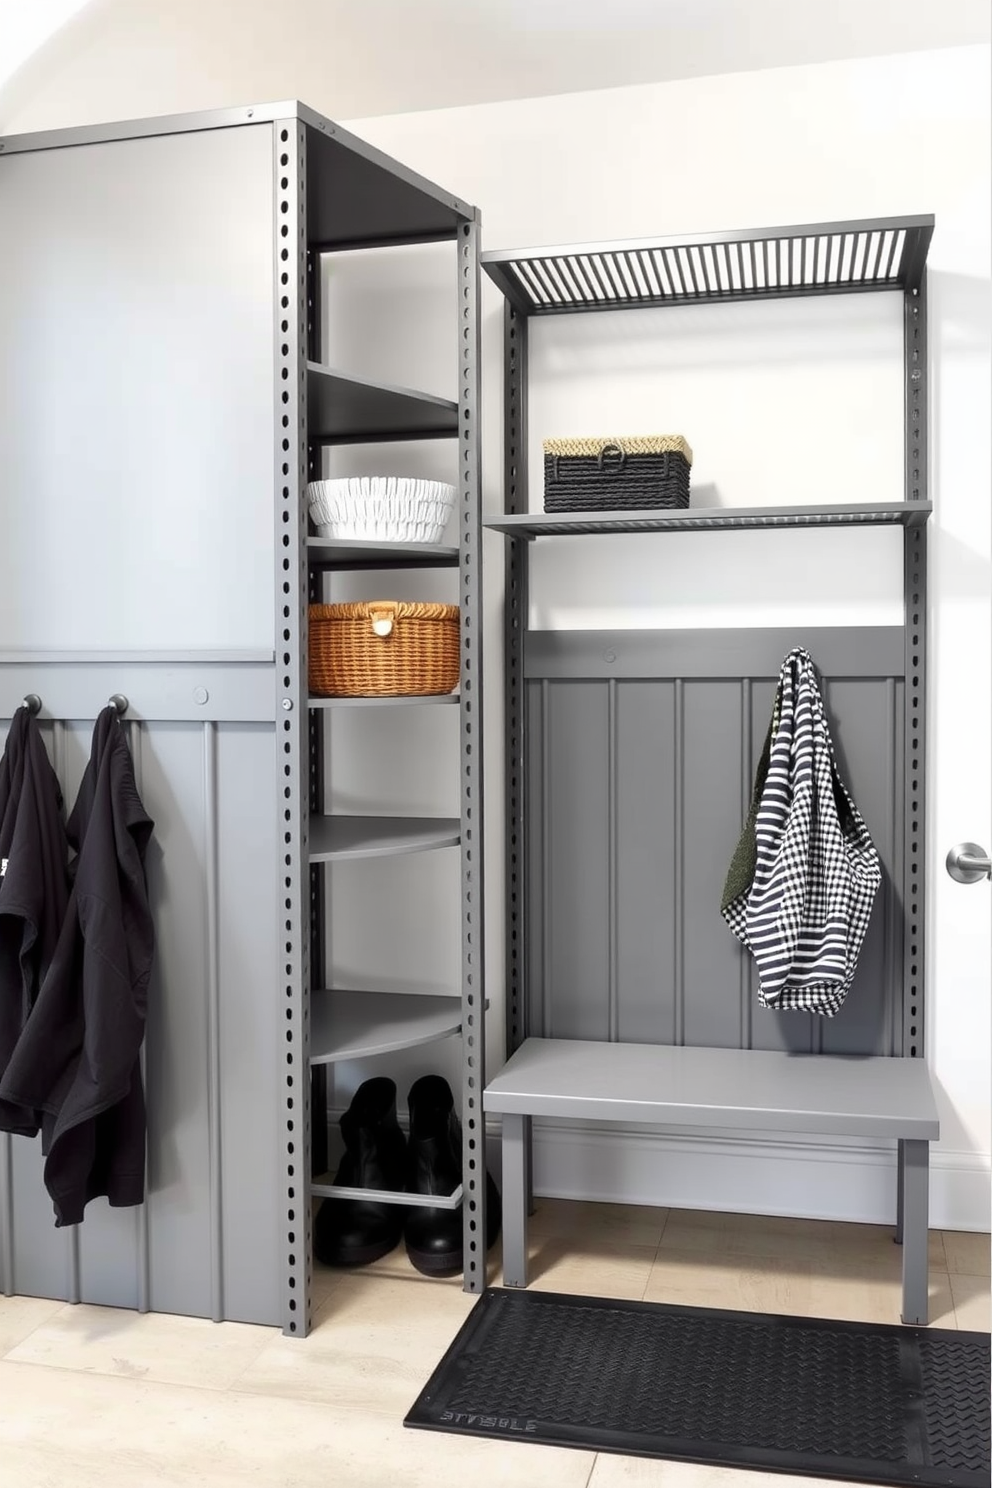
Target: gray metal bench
[{"x": 756, "y": 1090}]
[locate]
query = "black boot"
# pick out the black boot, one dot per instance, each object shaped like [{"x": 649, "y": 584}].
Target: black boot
[
  {"x": 355, "y": 1232},
  {"x": 434, "y": 1166}
]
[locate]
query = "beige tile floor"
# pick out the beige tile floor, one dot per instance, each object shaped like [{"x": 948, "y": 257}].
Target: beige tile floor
[{"x": 92, "y": 1397}]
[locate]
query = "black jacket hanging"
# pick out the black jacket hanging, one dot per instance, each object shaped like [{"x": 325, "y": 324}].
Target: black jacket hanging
[
  {"x": 34, "y": 889},
  {"x": 77, "y": 1059}
]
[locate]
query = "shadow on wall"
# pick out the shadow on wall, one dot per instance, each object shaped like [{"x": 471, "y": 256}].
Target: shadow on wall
[
  {"x": 960, "y": 312},
  {"x": 71, "y": 37}
]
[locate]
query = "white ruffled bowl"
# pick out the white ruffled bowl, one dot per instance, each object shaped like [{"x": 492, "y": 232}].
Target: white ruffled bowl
[{"x": 381, "y": 508}]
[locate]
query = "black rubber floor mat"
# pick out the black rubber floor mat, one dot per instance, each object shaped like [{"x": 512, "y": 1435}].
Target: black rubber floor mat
[{"x": 876, "y": 1404}]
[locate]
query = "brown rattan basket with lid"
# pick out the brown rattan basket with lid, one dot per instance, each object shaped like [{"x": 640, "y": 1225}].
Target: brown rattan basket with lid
[{"x": 383, "y": 648}]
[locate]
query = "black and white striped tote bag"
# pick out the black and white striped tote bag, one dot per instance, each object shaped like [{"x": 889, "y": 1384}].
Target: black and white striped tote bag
[{"x": 806, "y": 911}]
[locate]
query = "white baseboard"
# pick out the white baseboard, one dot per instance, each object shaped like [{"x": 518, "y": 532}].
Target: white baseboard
[
  {"x": 743, "y": 1173},
  {"x": 747, "y": 1174}
]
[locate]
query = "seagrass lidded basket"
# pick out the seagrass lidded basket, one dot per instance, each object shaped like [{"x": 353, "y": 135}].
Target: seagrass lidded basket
[
  {"x": 632, "y": 473},
  {"x": 383, "y": 648}
]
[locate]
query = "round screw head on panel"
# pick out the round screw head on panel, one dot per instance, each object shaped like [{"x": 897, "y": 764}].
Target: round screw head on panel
[
  {"x": 200, "y": 695},
  {"x": 287, "y": 705},
  {"x": 609, "y": 656}
]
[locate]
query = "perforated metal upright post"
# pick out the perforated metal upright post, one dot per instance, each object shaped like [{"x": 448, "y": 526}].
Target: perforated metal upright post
[
  {"x": 516, "y": 602},
  {"x": 292, "y": 733},
  {"x": 472, "y": 839},
  {"x": 915, "y": 602}
]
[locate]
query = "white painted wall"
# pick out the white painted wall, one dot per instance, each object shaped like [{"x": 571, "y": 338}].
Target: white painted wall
[{"x": 122, "y": 59}]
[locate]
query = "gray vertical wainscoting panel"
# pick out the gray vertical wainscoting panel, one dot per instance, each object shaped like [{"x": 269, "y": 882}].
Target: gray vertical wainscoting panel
[
  {"x": 176, "y": 1040},
  {"x": 867, "y": 721},
  {"x": 250, "y": 1017},
  {"x": 641, "y": 751},
  {"x": 708, "y": 1005},
  {"x": 646, "y": 810},
  {"x": 206, "y": 1242},
  {"x": 575, "y": 801}
]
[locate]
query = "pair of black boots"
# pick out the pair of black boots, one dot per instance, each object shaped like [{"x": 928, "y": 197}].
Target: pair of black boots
[{"x": 355, "y": 1232}]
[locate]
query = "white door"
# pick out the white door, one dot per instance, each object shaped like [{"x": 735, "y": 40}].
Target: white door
[{"x": 959, "y": 957}]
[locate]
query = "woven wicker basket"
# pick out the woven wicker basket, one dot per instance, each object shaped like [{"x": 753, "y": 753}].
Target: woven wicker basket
[
  {"x": 638, "y": 473},
  {"x": 383, "y": 648}
]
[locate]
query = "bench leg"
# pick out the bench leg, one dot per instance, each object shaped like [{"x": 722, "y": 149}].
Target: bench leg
[
  {"x": 516, "y": 1148},
  {"x": 913, "y": 1228},
  {"x": 529, "y": 1162}
]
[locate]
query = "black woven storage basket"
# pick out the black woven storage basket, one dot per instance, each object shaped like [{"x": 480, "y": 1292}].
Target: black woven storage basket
[{"x": 630, "y": 474}]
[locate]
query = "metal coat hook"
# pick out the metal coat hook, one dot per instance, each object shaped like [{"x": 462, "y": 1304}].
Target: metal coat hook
[
  {"x": 120, "y": 702},
  {"x": 32, "y": 702}
]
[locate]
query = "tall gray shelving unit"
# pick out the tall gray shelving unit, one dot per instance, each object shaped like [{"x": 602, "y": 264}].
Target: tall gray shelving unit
[
  {"x": 618, "y": 741},
  {"x": 160, "y": 294}
]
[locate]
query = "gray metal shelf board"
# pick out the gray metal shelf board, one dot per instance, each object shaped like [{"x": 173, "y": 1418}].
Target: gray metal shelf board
[
  {"x": 762, "y": 263},
  {"x": 342, "y": 409},
  {"x": 358, "y": 197},
  {"x": 750, "y": 1089},
  {"x": 382, "y": 702},
  {"x": 320, "y": 1189},
  {"x": 356, "y": 1025},
  {"x": 335, "y": 838},
  {"x": 545, "y": 524},
  {"x": 343, "y": 553}
]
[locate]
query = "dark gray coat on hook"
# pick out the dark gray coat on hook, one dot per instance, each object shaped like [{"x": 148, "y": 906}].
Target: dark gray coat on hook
[
  {"x": 77, "y": 1060},
  {"x": 34, "y": 889}
]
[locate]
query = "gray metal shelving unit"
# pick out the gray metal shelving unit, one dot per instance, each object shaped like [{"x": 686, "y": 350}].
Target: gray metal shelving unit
[
  {"x": 191, "y": 247},
  {"x": 551, "y": 989},
  {"x": 337, "y": 195}
]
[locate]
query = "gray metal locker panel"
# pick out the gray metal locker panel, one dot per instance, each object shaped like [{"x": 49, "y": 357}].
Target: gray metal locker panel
[
  {"x": 250, "y": 1026},
  {"x": 577, "y": 890},
  {"x": 136, "y": 334},
  {"x": 708, "y": 1008},
  {"x": 647, "y": 949}
]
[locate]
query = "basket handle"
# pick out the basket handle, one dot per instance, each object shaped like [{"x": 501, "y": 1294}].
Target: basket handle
[
  {"x": 382, "y": 617},
  {"x": 611, "y": 449}
]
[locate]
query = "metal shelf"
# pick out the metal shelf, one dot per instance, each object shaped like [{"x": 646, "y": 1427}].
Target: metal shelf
[
  {"x": 358, "y": 197},
  {"x": 762, "y": 263},
  {"x": 341, "y": 553},
  {"x": 342, "y": 409},
  {"x": 382, "y": 702},
  {"x": 356, "y": 1025},
  {"x": 336, "y": 838},
  {"x": 546, "y": 524},
  {"x": 329, "y": 1190}
]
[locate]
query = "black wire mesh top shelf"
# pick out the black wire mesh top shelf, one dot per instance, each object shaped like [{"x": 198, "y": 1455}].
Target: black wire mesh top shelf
[
  {"x": 763, "y": 263},
  {"x": 726, "y": 518}
]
